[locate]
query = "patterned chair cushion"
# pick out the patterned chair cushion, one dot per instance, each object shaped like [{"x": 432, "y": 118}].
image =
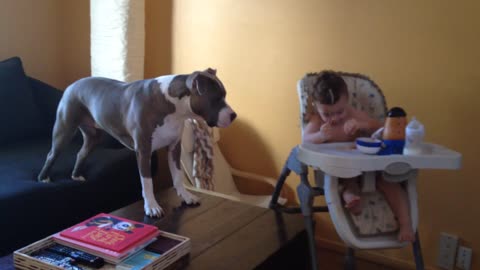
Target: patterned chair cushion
[{"x": 376, "y": 216}]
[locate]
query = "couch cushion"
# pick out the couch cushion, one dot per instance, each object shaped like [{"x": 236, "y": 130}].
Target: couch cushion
[
  {"x": 46, "y": 98},
  {"x": 19, "y": 116},
  {"x": 32, "y": 210}
]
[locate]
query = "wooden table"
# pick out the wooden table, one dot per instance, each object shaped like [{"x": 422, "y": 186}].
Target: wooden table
[{"x": 229, "y": 235}]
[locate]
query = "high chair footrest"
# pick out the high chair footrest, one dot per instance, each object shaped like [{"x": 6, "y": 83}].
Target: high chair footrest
[
  {"x": 296, "y": 210},
  {"x": 320, "y": 209},
  {"x": 318, "y": 191}
]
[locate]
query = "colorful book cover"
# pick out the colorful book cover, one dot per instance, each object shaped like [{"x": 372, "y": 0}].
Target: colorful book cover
[
  {"x": 108, "y": 255},
  {"x": 110, "y": 232},
  {"x": 138, "y": 260}
]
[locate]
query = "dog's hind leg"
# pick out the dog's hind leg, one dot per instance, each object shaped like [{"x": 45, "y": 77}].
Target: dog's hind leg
[
  {"x": 63, "y": 132},
  {"x": 66, "y": 124},
  {"x": 91, "y": 137}
]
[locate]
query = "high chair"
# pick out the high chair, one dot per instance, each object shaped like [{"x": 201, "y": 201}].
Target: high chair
[
  {"x": 222, "y": 173},
  {"x": 375, "y": 227}
]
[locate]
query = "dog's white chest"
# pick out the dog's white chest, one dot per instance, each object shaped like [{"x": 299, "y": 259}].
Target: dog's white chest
[{"x": 168, "y": 133}]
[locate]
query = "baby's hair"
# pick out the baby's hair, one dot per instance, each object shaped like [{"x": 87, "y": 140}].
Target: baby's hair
[{"x": 328, "y": 88}]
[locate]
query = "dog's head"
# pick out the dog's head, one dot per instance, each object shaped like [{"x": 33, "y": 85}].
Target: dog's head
[{"x": 208, "y": 98}]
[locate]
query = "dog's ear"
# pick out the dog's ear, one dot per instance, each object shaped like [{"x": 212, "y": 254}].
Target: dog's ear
[
  {"x": 211, "y": 71},
  {"x": 192, "y": 82}
]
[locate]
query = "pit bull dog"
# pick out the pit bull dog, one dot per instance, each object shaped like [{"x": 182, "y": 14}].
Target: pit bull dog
[{"x": 144, "y": 116}]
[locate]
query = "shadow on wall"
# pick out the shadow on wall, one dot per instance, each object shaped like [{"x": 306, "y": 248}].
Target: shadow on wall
[{"x": 246, "y": 150}]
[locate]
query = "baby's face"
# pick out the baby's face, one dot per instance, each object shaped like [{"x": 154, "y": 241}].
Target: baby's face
[{"x": 334, "y": 114}]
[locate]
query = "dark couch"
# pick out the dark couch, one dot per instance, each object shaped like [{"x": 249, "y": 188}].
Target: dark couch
[{"x": 30, "y": 210}]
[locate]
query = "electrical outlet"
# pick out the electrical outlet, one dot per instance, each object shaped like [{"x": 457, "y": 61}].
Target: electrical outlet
[
  {"x": 464, "y": 258},
  {"x": 447, "y": 250}
]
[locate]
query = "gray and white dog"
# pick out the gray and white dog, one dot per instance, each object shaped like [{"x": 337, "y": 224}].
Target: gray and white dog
[{"x": 144, "y": 116}]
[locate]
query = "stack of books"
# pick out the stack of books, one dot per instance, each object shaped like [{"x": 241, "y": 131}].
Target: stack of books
[
  {"x": 110, "y": 237},
  {"x": 105, "y": 242}
]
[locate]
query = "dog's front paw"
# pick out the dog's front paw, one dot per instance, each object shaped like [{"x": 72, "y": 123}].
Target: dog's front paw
[
  {"x": 152, "y": 209},
  {"x": 46, "y": 180},
  {"x": 78, "y": 178},
  {"x": 189, "y": 198}
]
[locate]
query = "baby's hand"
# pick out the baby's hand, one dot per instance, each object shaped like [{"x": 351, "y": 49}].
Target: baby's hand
[
  {"x": 327, "y": 132},
  {"x": 351, "y": 127}
]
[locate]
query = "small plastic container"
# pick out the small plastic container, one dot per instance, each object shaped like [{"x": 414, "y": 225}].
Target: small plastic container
[{"x": 415, "y": 133}]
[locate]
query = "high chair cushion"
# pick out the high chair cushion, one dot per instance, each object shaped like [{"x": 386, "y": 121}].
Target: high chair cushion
[
  {"x": 376, "y": 216},
  {"x": 365, "y": 95}
]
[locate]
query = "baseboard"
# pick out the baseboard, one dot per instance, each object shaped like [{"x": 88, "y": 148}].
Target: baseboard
[{"x": 369, "y": 256}]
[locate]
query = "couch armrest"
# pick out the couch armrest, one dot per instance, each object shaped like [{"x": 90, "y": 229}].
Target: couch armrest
[{"x": 47, "y": 98}]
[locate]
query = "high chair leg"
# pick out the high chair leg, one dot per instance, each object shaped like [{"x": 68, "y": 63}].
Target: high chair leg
[
  {"x": 278, "y": 187},
  {"x": 417, "y": 252},
  {"x": 292, "y": 164},
  {"x": 310, "y": 227},
  {"x": 349, "y": 263},
  {"x": 305, "y": 195}
]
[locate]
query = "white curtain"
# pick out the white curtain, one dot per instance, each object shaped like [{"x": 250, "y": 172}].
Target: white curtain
[{"x": 117, "y": 39}]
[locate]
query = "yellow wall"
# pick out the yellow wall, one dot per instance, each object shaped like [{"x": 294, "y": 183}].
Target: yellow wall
[
  {"x": 424, "y": 55},
  {"x": 29, "y": 29},
  {"x": 52, "y": 37},
  {"x": 158, "y": 37},
  {"x": 74, "y": 19}
]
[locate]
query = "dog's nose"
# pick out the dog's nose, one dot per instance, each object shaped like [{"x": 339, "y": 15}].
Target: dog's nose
[{"x": 233, "y": 116}]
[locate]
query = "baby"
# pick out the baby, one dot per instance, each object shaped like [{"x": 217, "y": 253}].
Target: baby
[{"x": 337, "y": 121}]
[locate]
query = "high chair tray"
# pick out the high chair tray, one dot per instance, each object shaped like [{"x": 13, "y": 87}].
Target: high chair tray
[{"x": 344, "y": 160}]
